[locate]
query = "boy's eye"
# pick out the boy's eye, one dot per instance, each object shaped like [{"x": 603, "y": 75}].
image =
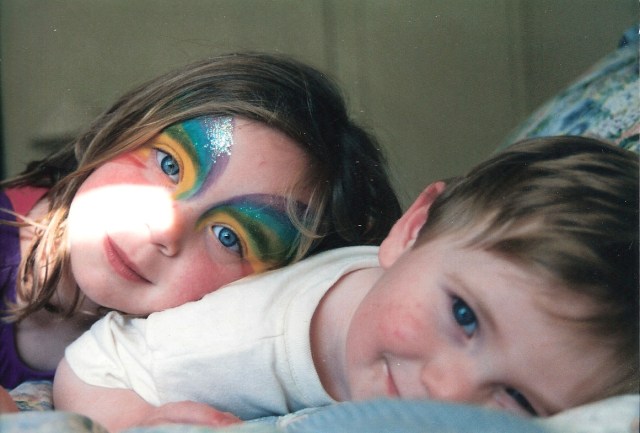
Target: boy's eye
[
  {"x": 168, "y": 165},
  {"x": 521, "y": 400},
  {"x": 228, "y": 238},
  {"x": 464, "y": 316}
]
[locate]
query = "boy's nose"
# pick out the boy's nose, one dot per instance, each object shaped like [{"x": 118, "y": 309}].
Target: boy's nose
[
  {"x": 451, "y": 380},
  {"x": 166, "y": 230}
]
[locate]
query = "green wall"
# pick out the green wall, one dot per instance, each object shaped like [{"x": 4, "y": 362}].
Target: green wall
[{"x": 440, "y": 82}]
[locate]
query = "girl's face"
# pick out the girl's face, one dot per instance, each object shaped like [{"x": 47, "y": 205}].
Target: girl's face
[{"x": 199, "y": 206}]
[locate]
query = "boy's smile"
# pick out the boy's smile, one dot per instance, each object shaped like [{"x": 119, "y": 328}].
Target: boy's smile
[{"x": 452, "y": 323}]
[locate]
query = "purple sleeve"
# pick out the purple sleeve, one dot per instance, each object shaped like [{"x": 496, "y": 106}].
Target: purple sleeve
[{"x": 13, "y": 370}]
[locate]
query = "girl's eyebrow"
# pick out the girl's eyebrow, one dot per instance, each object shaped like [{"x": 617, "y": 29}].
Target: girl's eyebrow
[{"x": 265, "y": 223}]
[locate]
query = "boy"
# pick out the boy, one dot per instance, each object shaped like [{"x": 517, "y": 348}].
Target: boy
[{"x": 515, "y": 287}]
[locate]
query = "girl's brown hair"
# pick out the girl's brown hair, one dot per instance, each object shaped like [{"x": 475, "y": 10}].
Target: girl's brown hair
[{"x": 352, "y": 201}]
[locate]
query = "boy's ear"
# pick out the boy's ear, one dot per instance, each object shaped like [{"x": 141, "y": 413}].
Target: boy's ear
[{"x": 404, "y": 232}]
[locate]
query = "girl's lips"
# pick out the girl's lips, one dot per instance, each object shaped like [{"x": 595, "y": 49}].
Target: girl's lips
[
  {"x": 121, "y": 263},
  {"x": 392, "y": 390}
]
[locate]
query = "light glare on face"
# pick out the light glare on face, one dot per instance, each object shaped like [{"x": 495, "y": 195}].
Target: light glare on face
[{"x": 92, "y": 210}]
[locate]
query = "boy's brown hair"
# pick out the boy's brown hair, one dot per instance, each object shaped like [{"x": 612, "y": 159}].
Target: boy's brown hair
[{"x": 567, "y": 208}]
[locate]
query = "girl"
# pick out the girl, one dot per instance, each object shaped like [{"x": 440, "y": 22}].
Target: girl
[{"x": 226, "y": 167}]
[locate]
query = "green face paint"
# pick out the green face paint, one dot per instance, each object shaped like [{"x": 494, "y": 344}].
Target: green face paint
[
  {"x": 267, "y": 236},
  {"x": 202, "y": 147}
]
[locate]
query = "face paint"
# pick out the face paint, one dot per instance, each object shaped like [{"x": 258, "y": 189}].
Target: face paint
[
  {"x": 266, "y": 233},
  {"x": 202, "y": 147}
]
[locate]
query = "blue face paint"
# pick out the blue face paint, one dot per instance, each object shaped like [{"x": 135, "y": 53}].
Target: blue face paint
[{"x": 202, "y": 147}]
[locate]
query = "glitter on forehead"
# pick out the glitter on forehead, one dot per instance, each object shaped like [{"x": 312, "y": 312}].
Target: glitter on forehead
[
  {"x": 219, "y": 131},
  {"x": 206, "y": 142}
]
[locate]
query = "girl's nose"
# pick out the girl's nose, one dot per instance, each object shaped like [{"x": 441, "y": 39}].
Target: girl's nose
[{"x": 167, "y": 229}]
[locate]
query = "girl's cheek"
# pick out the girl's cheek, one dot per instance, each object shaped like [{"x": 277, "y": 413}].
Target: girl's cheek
[
  {"x": 127, "y": 169},
  {"x": 140, "y": 166},
  {"x": 206, "y": 277}
]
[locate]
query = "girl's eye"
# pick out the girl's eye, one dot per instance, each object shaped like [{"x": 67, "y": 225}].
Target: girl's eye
[
  {"x": 464, "y": 316},
  {"x": 228, "y": 238},
  {"x": 168, "y": 165},
  {"x": 521, "y": 400}
]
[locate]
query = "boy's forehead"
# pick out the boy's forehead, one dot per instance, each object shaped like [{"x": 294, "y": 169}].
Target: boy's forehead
[
  {"x": 565, "y": 306},
  {"x": 549, "y": 292}
]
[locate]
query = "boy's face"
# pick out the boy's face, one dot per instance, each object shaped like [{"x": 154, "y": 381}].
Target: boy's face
[{"x": 452, "y": 323}]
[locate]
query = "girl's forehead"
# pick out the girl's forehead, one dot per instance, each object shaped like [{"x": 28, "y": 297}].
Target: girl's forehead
[
  {"x": 224, "y": 156},
  {"x": 203, "y": 145},
  {"x": 209, "y": 136}
]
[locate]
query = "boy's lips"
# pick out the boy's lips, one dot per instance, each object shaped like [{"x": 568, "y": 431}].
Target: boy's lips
[{"x": 120, "y": 263}]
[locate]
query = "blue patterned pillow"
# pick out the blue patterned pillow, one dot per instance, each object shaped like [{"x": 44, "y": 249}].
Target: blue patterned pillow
[{"x": 604, "y": 102}]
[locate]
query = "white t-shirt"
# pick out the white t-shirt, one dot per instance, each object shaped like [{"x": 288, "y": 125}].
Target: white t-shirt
[{"x": 244, "y": 349}]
